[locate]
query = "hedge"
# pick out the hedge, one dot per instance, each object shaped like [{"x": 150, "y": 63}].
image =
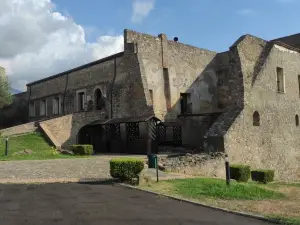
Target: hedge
[
  {"x": 125, "y": 169},
  {"x": 240, "y": 173},
  {"x": 82, "y": 149},
  {"x": 262, "y": 176}
]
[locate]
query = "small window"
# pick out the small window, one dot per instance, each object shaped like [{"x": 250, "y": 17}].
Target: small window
[
  {"x": 280, "y": 80},
  {"x": 185, "y": 102},
  {"x": 43, "y": 107},
  {"x": 99, "y": 101},
  {"x": 151, "y": 96},
  {"x": 297, "y": 120},
  {"x": 56, "y": 106},
  {"x": 256, "y": 119},
  {"x": 81, "y": 101}
]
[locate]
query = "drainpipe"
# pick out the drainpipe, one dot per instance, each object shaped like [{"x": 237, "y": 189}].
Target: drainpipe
[
  {"x": 112, "y": 86},
  {"x": 29, "y": 97}
]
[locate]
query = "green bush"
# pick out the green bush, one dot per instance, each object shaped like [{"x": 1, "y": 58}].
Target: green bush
[
  {"x": 125, "y": 169},
  {"x": 240, "y": 173},
  {"x": 262, "y": 176},
  {"x": 82, "y": 149}
]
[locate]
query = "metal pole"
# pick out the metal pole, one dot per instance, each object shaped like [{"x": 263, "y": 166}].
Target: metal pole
[
  {"x": 156, "y": 165},
  {"x": 227, "y": 169},
  {"x": 6, "y": 146}
]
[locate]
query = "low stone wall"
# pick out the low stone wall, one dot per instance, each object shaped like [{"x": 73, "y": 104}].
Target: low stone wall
[
  {"x": 20, "y": 129},
  {"x": 203, "y": 164}
]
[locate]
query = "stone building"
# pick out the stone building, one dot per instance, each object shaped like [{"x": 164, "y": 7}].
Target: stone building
[{"x": 245, "y": 101}]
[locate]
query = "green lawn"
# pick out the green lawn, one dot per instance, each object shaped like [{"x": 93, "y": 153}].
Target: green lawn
[
  {"x": 195, "y": 188},
  {"x": 33, "y": 141},
  {"x": 285, "y": 220},
  {"x": 279, "y": 201}
]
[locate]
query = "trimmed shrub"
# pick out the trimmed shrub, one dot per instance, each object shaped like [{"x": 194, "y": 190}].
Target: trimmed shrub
[
  {"x": 240, "y": 173},
  {"x": 262, "y": 176},
  {"x": 82, "y": 149},
  {"x": 126, "y": 169}
]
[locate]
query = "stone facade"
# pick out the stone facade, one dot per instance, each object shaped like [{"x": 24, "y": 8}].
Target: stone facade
[{"x": 225, "y": 102}]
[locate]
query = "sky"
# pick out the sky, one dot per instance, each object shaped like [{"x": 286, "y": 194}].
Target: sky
[{"x": 39, "y": 38}]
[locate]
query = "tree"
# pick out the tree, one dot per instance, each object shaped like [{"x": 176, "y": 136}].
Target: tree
[{"x": 5, "y": 95}]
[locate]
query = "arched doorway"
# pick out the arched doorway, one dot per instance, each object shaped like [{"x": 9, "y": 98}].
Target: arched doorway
[
  {"x": 99, "y": 103},
  {"x": 93, "y": 135}
]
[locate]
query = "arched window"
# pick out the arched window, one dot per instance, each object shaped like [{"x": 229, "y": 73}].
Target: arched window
[
  {"x": 256, "y": 119},
  {"x": 297, "y": 120},
  {"x": 99, "y": 103}
]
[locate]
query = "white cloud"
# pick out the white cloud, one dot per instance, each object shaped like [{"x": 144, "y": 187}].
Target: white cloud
[
  {"x": 37, "y": 41},
  {"x": 245, "y": 12},
  {"x": 141, "y": 9}
]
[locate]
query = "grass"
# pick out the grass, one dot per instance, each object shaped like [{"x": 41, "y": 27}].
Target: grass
[
  {"x": 278, "y": 201},
  {"x": 34, "y": 142},
  {"x": 285, "y": 220},
  {"x": 195, "y": 188}
]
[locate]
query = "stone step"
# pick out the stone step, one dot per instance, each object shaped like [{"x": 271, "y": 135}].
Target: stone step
[{"x": 20, "y": 129}]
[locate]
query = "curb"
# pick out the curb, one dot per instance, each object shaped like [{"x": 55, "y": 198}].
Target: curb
[
  {"x": 201, "y": 204},
  {"x": 50, "y": 181}
]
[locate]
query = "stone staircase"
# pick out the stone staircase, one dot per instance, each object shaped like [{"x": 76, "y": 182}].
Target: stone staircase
[
  {"x": 45, "y": 129},
  {"x": 20, "y": 129}
]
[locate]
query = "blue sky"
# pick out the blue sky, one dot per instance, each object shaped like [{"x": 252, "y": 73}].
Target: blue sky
[
  {"x": 40, "y": 38},
  {"x": 211, "y": 24}
]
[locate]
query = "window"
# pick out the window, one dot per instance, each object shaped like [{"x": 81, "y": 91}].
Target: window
[
  {"x": 81, "y": 101},
  {"x": 297, "y": 120},
  {"x": 185, "y": 102},
  {"x": 151, "y": 96},
  {"x": 32, "y": 109},
  {"x": 256, "y": 119},
  {"x": 43, "y": 106},
  {"x": 280, "y": 80},
  {"x": 56, "y": 105},
  {"x": 99, "y": 103}
]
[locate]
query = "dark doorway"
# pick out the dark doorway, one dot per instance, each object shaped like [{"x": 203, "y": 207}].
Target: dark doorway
[
  {"x": 185, "y": 103},
  {"x": 93, "y": 135}
]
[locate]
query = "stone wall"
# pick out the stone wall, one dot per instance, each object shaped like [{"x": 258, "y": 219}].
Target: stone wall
[
  {"x": 120, "y": 84},
  {"x": 207, "y": 165},
  {"x": 275, "y": 143},
  {"x": 169, "y": 68},
  {"x": 16, "y": 113},
  {"x": 64, "y": 129},
  {"x": 183, "y": 68},
  {"x": 88, "y": 78}
]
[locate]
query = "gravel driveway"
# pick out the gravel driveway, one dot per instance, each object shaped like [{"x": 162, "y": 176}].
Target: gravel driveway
[{"x": 56, "y": 170}]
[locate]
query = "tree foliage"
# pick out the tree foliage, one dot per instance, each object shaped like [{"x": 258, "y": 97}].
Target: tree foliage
[{"x": 5, "y": 95}]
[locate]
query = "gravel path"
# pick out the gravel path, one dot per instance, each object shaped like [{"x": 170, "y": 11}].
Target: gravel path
[{"x": 57, "y": 170}]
